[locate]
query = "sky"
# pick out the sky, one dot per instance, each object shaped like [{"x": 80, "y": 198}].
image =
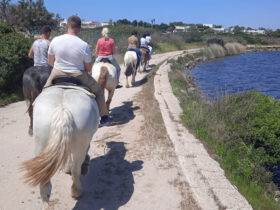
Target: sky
[{"x": 248, "y": 13}]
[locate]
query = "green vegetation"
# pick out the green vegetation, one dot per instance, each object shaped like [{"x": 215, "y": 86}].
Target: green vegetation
[
  {"x": 13, "y": 62},
  {"x": 27, "y": 15},
  {"x": 240, "y": 131}
]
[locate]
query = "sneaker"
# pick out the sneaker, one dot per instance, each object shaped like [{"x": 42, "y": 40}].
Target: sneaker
[
  {"x": 104, "y": 121},
  {"x": 119, "y": 86}
]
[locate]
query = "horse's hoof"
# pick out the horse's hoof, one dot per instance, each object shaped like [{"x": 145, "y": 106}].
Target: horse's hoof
[
  {"x": 75, "y": 193},
  {"x": 30, "y": 132},
  {"x": 45, "y": 206},
  {"x": 127, "y": 86}
]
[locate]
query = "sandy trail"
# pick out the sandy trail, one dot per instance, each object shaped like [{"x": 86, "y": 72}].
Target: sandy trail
[{"x": 128, "y": 169}]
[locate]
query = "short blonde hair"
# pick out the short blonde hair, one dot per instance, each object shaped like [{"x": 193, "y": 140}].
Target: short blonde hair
[{"x": 105, "y": 32}]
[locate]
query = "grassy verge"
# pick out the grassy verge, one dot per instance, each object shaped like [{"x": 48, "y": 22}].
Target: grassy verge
[
  {"x": 237, "y": 130},
  {"x": 168, "y": 47},
  {"x": 6, "y": 99}
]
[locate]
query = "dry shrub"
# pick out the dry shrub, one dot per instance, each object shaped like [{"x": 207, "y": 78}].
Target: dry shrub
[{"x": 234, "y": 48}]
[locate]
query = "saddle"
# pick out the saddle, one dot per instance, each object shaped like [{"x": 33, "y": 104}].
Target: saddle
[
  {"x": 66, "y": 80},
  {"x": 105, "y": 60}
]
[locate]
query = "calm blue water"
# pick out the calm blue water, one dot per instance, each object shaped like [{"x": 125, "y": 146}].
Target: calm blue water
[{"x": 250, "y": 71}]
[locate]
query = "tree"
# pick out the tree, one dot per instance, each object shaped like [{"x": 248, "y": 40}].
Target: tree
[
  {"x": 4, "y": 7},
  {"x": 134, "y": 23},
  {"x": 140, "y": 23},
  {"x": 153, "y": 21},
  {"x": 123, "y": 22},
  {"x": 27, "y": 15}
]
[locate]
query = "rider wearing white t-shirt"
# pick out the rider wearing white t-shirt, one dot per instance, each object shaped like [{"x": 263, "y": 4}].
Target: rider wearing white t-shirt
[
  {"x": 148, "y": 41},
  {"x": 39, "y": 49},
  {"x": 70, "y": 55}
]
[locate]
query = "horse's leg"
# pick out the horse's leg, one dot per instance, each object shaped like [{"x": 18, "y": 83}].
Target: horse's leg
[
  {"x": 133, "y": 79},
  {"x": 78, "y": 153},
  {"x": 127, "y": 85},
  {"x": 110, "y": 96},
  {"x": 45, "y": 192},
  {"x": 30, "y": 112},
  {"x": 68, "y": 165}
]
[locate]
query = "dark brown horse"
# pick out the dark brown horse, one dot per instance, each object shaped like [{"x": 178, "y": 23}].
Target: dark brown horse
[
  {"x": 33, "y": 81},
  {"x": 145, "y": 59}
]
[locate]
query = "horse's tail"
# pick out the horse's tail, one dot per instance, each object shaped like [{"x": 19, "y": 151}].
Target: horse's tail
[
  {"x": 41, "y": 168},
  {"x": 129, "y": 69},
  {"x": 102, "y": 80}
]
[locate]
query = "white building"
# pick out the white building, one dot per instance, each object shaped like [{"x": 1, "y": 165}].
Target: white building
[
  {"x": 85, "y": 24},
  {"x": 181, "y": 28},
  {"x": 209, "y": 25},
  {"x": 219, "y": 30},
  {"x": 62, "y": 23},
  {"x": 254, "y": 31},
  {"x": 105, "y": 24},
  {"x": 90, "y": 24}
]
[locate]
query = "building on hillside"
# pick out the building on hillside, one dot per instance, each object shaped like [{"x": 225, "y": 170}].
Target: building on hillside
[
  {"x": 254, "y": 31},
  {"x": 85, "y": 24},
  {"x": 90, "y": 24},
  {"x": 181, "y": 28},
  {"x": 208, "y": 25},
  {"x": 218, "y": 30},
  {"x": 105, "y": 24},
  {"x": 63, "y": 23}
]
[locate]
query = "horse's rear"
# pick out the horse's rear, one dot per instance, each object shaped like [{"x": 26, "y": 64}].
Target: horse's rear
[
  {"x": 130, "y": 62},
  {"x": 33, "y": 81},
  {"x": 63, "y": 129},
  {"x": 145, "y": 59},
  {"x": 106, "y": 76}
]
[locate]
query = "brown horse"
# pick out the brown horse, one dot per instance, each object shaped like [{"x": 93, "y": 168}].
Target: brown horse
[{"x": 145, "y": 59}]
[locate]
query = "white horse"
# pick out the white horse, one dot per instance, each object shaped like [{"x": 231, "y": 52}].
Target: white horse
[
  {"x": 106, "y": 76},
  {"x": 64, "y": 123},
  {"x": 130, "y": 62}
]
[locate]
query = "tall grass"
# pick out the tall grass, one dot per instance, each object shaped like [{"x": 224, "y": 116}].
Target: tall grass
[
  {"x": 227, "y": 126},
  {"x": 217, "y": 51}
]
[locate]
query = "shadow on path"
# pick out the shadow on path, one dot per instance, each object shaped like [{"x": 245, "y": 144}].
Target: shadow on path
[
  {"x": 122, "y": 114},
  {"x": 109, "y": 183}
]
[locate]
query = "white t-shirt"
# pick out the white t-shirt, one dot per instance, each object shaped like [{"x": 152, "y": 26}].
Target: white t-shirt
[
  {"x": 148, "y": 39},
  {"x": 40, "y": 49},
  {"x": 70, "y": 53},
  {"x": 143, "y": 42}
]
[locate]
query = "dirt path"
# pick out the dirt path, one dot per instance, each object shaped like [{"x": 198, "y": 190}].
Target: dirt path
[{"x": 133, "y": 163}]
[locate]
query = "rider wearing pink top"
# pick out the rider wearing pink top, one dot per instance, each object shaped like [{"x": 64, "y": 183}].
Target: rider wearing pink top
[{"x": 105, "y": 46}]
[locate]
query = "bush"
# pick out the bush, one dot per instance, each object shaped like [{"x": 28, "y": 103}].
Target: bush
[
  {"x": 218, "y": 41},
  {"x": 13, "y": 59},
  {"x": 258, "y": 125},
  {"x": 4, "y": 29}
]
